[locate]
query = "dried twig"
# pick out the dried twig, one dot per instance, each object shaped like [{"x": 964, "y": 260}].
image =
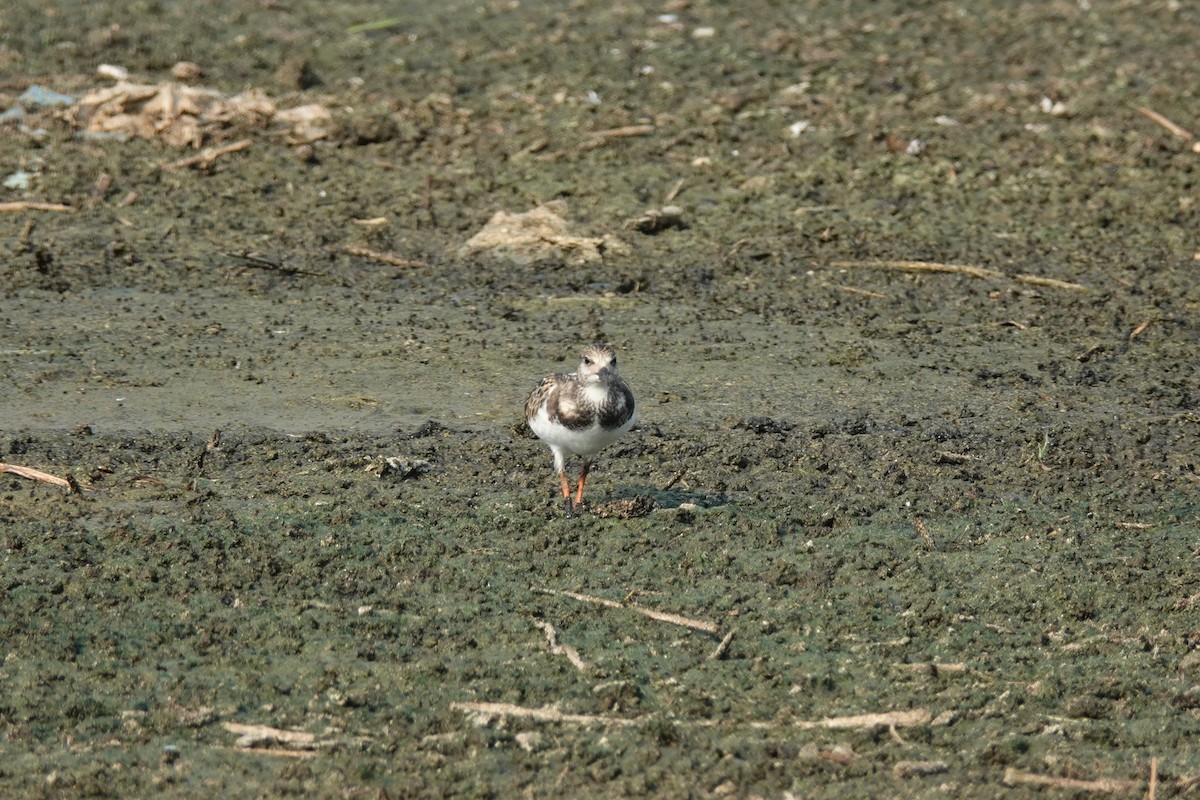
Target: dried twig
[
  {"x": 1015, "y": 777},
  {"x": 250, "y": 736},
  {"x": 560, "y": 649},
  {"x": 601, "y": 138},
  {"x": 959, "y": 269},
  {"x": 1153, "y": 790},
  {"x": 375, "y": 255},
  {"x": 661, "y": 616},
  {"x": 856, "y": 290},
  {"x": 722, "y": 649},
  {"x": 1050, "y": 283},
  {"x": 36, "y": 475},
  {"x": 259, "y": 262},
  {"x": 1159, "y": 119},
  {"x": 921, "y": 266},
  {"x": 294, "y": 744},
  {"x": 676, "y": 478},
  {"x": 1140, "y": 329},
  {"x": 887, "y": 719},
  {"x": 205, "y": 158},
  {"x": 484, "y": 712},
  {"x": 674, "y": 192},
  {"x": 33, "y": 205},
  {"x": 933, "y": 667}
]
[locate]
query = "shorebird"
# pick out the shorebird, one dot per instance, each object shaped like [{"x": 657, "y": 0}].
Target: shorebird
[{"x": 581, "y": 412}]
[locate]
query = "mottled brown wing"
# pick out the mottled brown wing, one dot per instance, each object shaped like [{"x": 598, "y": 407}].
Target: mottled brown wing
[{"x": 538, "y": 396}]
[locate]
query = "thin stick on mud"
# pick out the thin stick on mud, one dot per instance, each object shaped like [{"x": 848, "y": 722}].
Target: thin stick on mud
[
  {"x": 959, "y": 269},
  {"x": 258, "y": 738},
  {"x": 385, "y": 258},
  {"x": 856, "y": 290},
  {"x": 934, "y": 668},
  {"x": 485, "y": 712},
  {"x": 1153, "y": 790},
  {"x": 1140, "y": 329},
  {"x": 1159, "y": 119},
  {"x": 205, "y": 158},
  {"x": 887, "y": 719},
  {"x": 674, "y": 192},
  {"x": 921, "y": 266},
  {"x": 1015, "y": 777},
  {"x": 1050, "y": 283},
  {"x": 259, "y": 262},
  {"x": 676, "y": 478},
  {"x": 601, "y": 138},
  {"x": 33, "y": 205},
  {"x": 251, "y": 735},
  {"x": 559, "y": 649},
  {"x": 722, "y": 649},
  {"x": 36, "y": 475},
  {"x": 661, "y": 616}
]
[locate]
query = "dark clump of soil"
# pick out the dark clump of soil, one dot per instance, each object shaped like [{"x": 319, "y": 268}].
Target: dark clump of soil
[{"x": 912, "y": 508}]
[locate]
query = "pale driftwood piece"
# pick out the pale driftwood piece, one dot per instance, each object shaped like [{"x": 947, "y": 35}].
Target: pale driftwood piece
[
  {"x": 933, "y": 667},
  {"x": 205, "y": 158},
  {"x": 959, "y": 269},
  {"x": 250, "y": 736},
  {"x": 483, "y": 712},
  {"x": 559, "y": 649},
  {"x": 863, "y": 292},
  {"x": 922, "y": 266},
  {"x": 35, "y": 475},
  {"x": 887, "y": 719},
  {"x": 661, "y": 616},
  {"x": 1015, "y": 777},
  {"x": 601, "y": 138},
  {"x": 722, "y": 649},
  {"x": 385, "y": 258},
  {"x": 1159, "y": 119},
  {"x": 1050, "y": 283},
  {"x": 33, "y": 205}
]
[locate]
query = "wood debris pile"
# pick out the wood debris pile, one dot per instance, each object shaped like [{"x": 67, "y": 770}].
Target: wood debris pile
[{"x": 187, "y": 116}]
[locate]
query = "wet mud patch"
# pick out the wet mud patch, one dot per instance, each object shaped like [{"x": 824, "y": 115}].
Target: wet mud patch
[{"x": 403, "y": 619}]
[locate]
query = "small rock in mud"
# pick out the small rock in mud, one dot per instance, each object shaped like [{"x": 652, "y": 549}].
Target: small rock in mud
[
  {"x": 657, "y": 220},
  {"x": 534, "y": 235}
]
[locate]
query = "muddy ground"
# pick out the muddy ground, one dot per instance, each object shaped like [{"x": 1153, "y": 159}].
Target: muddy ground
[{"x": 966, "y": 501}]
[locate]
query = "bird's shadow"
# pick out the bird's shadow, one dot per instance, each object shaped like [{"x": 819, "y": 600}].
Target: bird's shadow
[{"x": 671, "y": 498}]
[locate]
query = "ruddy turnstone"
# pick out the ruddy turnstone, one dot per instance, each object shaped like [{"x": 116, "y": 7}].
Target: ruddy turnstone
[{"x": 581, "y": 412}]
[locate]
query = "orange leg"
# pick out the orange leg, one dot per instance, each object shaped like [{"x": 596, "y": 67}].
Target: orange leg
[
  {"x": 583, "y": 472},
  {"x": 564, "y": 484}
]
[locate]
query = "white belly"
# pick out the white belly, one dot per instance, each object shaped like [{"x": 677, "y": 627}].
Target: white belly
[{"x": 586, "y": 442}]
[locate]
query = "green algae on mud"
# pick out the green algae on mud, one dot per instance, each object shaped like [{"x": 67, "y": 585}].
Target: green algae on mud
[
  {"x": 969, "y": 496},
  {"x": 289, "y": 586}
]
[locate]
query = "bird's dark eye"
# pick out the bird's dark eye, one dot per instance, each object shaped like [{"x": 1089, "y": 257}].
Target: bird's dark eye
[{"x": 587, "y": 361}]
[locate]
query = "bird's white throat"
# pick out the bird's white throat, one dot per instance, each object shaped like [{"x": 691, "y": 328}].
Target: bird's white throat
[{"x": 595, "y": 393}]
